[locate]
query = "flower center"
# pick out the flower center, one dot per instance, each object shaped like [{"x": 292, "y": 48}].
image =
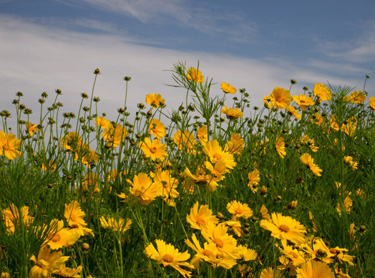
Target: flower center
[
  {"x": 153, "y": 149},
  {"x": 168, "y": 258},
  {"x": 238, "y": 211},
  {"x": 284, "y": 228},
  {"x": 201, "y": 222},
  {"x": 219, "y": 243}
]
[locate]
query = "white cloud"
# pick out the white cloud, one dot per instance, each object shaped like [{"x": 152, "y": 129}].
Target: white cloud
[{"x": 37, "y": 58}]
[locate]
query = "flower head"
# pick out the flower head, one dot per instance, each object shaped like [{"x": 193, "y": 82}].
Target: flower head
[
  {"x": 227, "y": 88},
  {"x": 199, "y": 217},
  {"x": 144, "y": 188},
  {"x": 167, "y": 255},
  {"x": 309, "y": 162},
  {"x": 195, "y": 75},
  {"x": 9, "y": 145},
  {"x": 238, "y": 210},
  {"x": 232, "y": 113},
  {"x": 284, "y": 227},
  {"x": 155, "y": 100},
  {"x": 31, "y": 128},
  {"x": 322, "y": 92},
  {"x": 313, "y": 269},
  {"x": 280, "y": 98},
  {"x": 157, "y": 128},
  {"x": 154, "y": 150}
]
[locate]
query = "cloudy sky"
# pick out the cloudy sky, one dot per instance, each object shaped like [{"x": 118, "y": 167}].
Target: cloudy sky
[{"x": 257, "y": 45}]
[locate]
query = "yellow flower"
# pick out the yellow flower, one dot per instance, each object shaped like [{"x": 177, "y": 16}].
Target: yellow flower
[
  {"x": 199, "y": 218},
  {"x": 264, "y": 212},
  {"x": 144, "y": 189},
  {"x": 349, "y": 126},
  {"x": 167, "y": 185},
  {"x": 215, "y": 153},
  {"x": 167, "y": 255},
  {"x": 269, "y": 272},
  {"x": 232, "y": 113},
  {"x": 292, "y": 111},
  {"x": 11, "y": 217},
  {"x": 157, "y": 128},
  {"x": 9, "y": 145},
  {"x": 322, "y": 92},
  {"x": 236, "y": 144},
  {"x": 218, "y": 170},
  {"x": 280, "y": 147},
  {"x": 218, "y": 234},
  {"x": 31, "y": 128},
  {"x": 64, "y": 271},
  {"x": 185, "y": 141},
  {"x": 303, "y": 101},
  {"x": 61, "y": 237},
  {"x": 154, "y": 150},
  {"x": 72, "y": 141},
  {"x": 238, "y": 210},
  {"x": 293, "y": 254},
  {"x": 313, "y": 269},
  {"x": 372, "y": 102},
  {"x": 102, "y": 122},
  {"x": 115, "y": 224},
  {"x": 114, "y": 135},
  {"x": 46, "y": 263},
  {"x": 284, "y": 227},
  {"x": 349, "y": 160},
  {"x": 74, "y": 216},
  {"x": 195, "y": 75},
  {"x": 317, "y": 119},
  {"x": 155, "y": 100},
  {"x": 227, "y": 88},
  {"x": 356, "y": 97},
  {"x": 280, "y": 98},
  {"x": 254, "y": 179},
  {"x": 209, "y": 253},
  {"x": 202, "y": 134},
  {"x": 309, "y": 162}
]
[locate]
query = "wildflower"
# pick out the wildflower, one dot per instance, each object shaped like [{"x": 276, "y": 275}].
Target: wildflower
[
  {"x": 236, "y": 144},
  {"x": 185, "y": 141},
  {"x": 254, "y": 179},
  {"x": 293, "y": 254},
  {"x": 64, "y": 271},
  {"x": 72, "y": 141},
  {"x": 313, "y": 269},
  {"x": 264, "y": 213},
  {"x": 209, "y": 253},
  {"x": 356, "y": 97},
  {"x": 46, "y": 263},
  {"x": 215, "y": 153},
  {"x": 102, "y": 122},
  {"x": 218, "y": 170},
  {"x": 195, "y": 75},
  {"x": 60, "y": 236},
  {"x": 246, "y": 254},
  {"x": 167, "y": 184},
  {"x": 144, "y": 189},
  {"x": 9, "y": 145},
  {"x": 317, "y": 119},
  {"x": 91, "y": 179},
  {"x": 347, "y": 204},
  {"x": 167, "y": 255},
  {"x": 117, "y": 225},
  {"x": 114, "y": 135},
  {"x": 157, "y": 128},
  {"x": 232, "y": 113},
  {"x": 309, "y": 162},
  {"x": 349, "y": 160},
  {"x": 238, "y": 210},
  {"x": 235, "y": 225},
  {"x": 74, "y": 216},
  {"x": 292, "y": 111},
  {"x": 227, "y": 88},
  {"x": 310, "y": 142},
  {"x": 31, "y": 128},
  {"x": 284, "y": 227},
  {"x": 303, "y": 101},
  {"x": 280, "y": 147},
  {"x": 12, "y": 217},
  {"x": 199, "y": 218},
  {"x": 50, "y": 167},
  {"x": 154, "y": 150},
  {"x": 269, "y": 272},
  {"x": 350, "y": 127},
  {"x": 372, "y": 102},
  {"x": 280, "y": 98},
  {"x": 155, "y": 100},
  {"x": 202, "y": 134},
  {"x": 322, "y": 92},
  {"x": 218, "y": 235}
]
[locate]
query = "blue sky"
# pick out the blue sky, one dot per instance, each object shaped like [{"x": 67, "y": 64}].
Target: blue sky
[{"x": 256, "y": 45}]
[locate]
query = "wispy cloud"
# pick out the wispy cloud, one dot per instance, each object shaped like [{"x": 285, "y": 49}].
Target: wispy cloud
[{"x": 38, "y": 58}]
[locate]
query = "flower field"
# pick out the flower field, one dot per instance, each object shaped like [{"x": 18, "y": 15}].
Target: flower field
[{"x": 216, "y": 187}]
